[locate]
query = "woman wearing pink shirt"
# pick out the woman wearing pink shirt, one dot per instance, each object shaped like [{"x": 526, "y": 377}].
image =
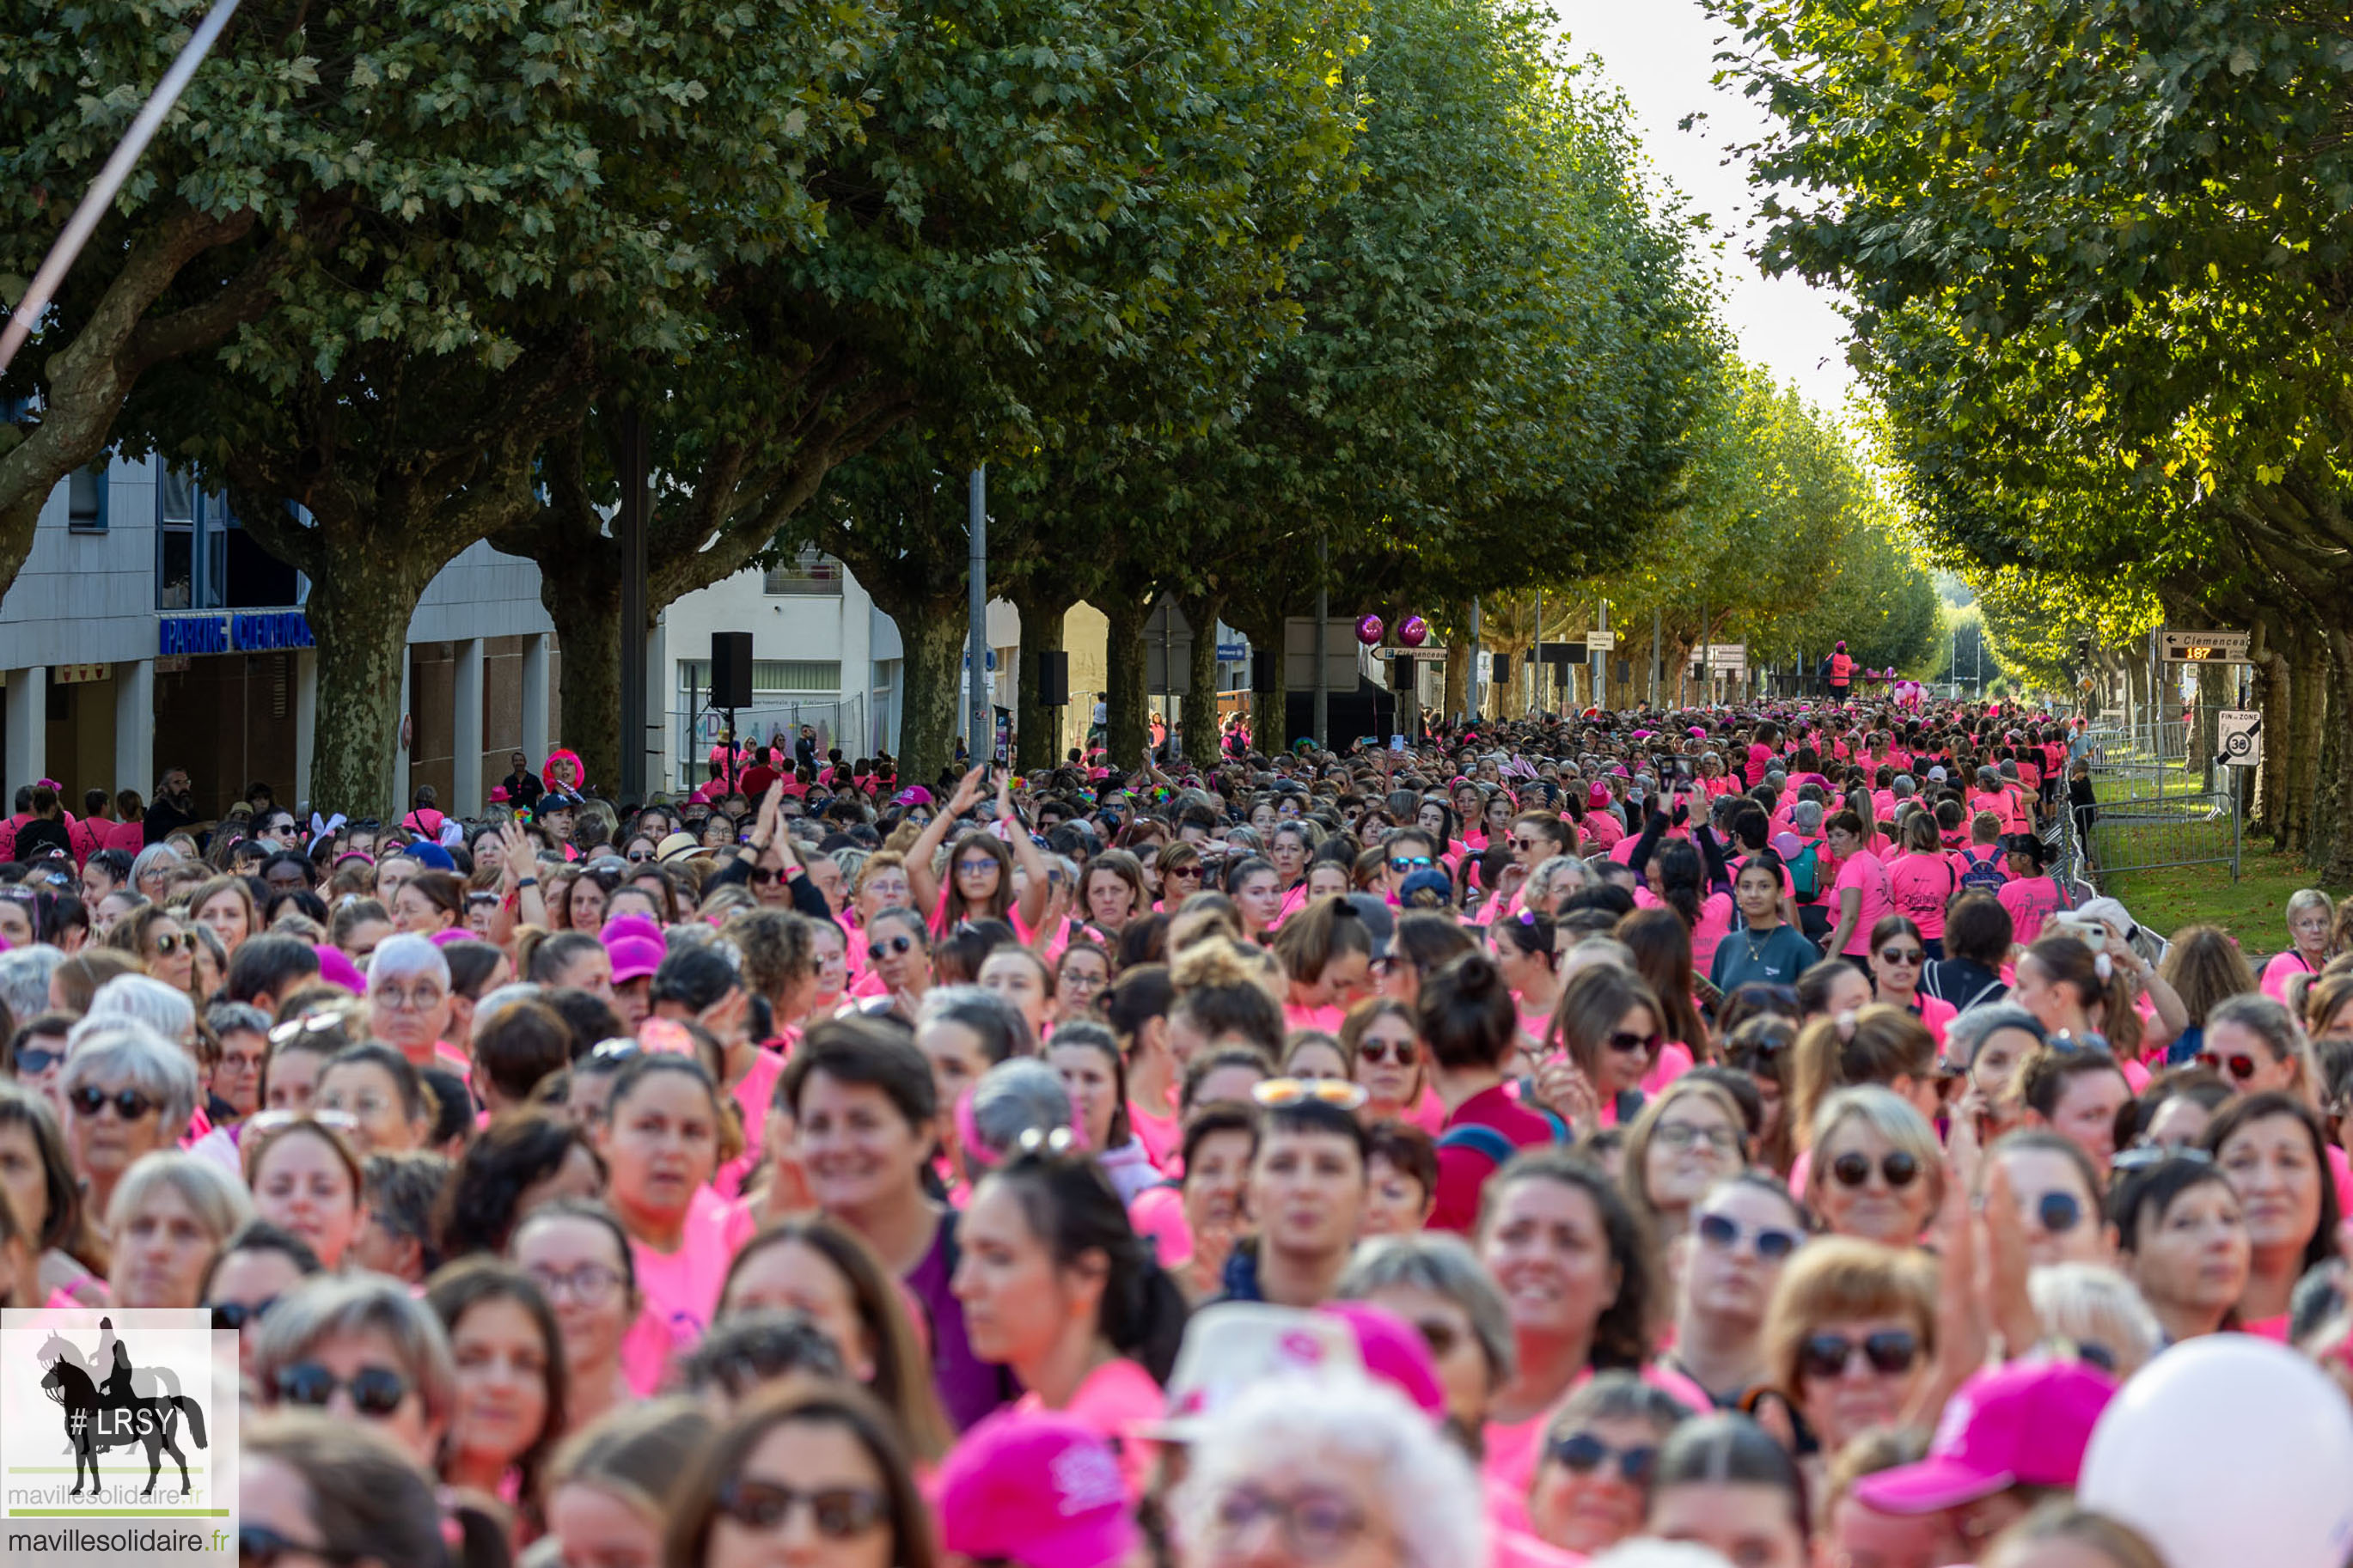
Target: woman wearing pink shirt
[
  {"x": 662, "y": 1136},
  {"x": 1897, "y": 953},
  {"x": 2310, "y": 927},
  {"x": 1327, "y": 957},
  {"x": 1860, "y": 889},
  {"x": 1056, "y": 1288},
  {"x": 1921, "y": 881}
]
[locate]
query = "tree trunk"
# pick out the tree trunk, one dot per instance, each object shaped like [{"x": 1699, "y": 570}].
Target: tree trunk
[
  {"x": 2269, "y": 696},
  {"x": 1201, "y": 734},
  {"x": 932, "y": 631},
  {"x": 1267, "y": 708},
  {"x": 1457, "y": 700},
  {"x": 2308, "y": 707},
  {"x": 2331, "y": 851},
  {"x": 1038, "y": 729},
  {"x": 359, "y": 618},
  {"x": 586, "y": 605},
  {"x": 1126, "y": 730}
]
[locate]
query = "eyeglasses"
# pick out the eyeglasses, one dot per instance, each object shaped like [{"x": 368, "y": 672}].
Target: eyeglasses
[
  {"x": 976, "y": 868},
  {"x": 1724, "y": 1233},
  {"x": 1402, "y": 864},
  {"x": 2148, "y": 1154},
  {"x": 1519, "y": 843},
  {"x": 839, "y": 1513},
  {"x": 1903, "y": 955},
  {"x": 234, "y": 1315},
  {"x": 260, "y": 1546},
  {"x": 638, "y": 855},
  {"x": 377, "y": 1390},
  {"x": 424, "y": 999},
  {"x": 2237, "y": 1064},
  {"x": 33, "y": 1060},
  {"x": 879, "y": 951},
  {"x": 129, "y": 1103},
  {"x": 1630, "y": 1043},
  {"x": 1375, "y": 1053},
  {"x": 1318, "y": 1525},
  {"x": 1583, "y": 1453},
  {"x": 1890, "y": 1351},
  {"x": 1276, "y": 1093},
  {"x": 295, "y": 1028},
  {"x": 2058, "y": 1213},
  {"x": 1853, "y": 1169},
  {"x": 1045, "y": 1141},
  {"x": 1683, "y": 1134},
  {"x": 590, "y": 1284}
]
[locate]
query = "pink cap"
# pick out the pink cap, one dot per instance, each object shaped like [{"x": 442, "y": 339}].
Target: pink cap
[
  {"x": 619, "y": 926},
  {"x": 2023, "y": 1424},
  {"x": 336, "y": 969},
  {"x": 1035, "y": 1488},
  {"x": 634, "y": 957},
  {"x": 455, "y": 933},
  {"x": 1597, "y": 795},
  {"x": 1395, "y": 1353}
]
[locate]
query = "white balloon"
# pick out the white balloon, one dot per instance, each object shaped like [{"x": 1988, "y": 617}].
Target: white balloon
[{"x": 2228, "y": 1451}]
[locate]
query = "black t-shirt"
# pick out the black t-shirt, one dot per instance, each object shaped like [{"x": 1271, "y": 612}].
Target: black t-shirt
[
  {"x": 39, "y": 835},
  {"x": 164, "y": 817}
]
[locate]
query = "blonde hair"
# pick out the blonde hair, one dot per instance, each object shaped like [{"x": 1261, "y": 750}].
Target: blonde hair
[
  {"x": 1890, "y": 1116},
  {"x": 1842, "y": 1276},
  {"x": 2089, "y": 1304},
  {"x": 1638, "y": 1137}
]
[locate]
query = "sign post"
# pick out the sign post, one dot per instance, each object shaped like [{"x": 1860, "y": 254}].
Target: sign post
[{"x": 2204, "y": 648}]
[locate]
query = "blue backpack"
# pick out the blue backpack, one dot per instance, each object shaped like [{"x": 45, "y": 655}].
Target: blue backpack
[{"x": 1983, "y": 876}]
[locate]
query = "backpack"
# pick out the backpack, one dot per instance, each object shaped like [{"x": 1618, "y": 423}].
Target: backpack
[
  {"x": 1804, "y": 868},
  {"x": 1983, "y": 876},
  {"x": 1491, "y": 1143}
]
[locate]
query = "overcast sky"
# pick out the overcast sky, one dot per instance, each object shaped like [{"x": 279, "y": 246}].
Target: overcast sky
[{"x": 1661, "y": 53}]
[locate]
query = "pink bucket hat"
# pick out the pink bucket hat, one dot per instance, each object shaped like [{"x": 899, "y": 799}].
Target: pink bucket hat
[
  {"x": 2023, "y": 1424},
  {"x": 1034, "y": 1487}
]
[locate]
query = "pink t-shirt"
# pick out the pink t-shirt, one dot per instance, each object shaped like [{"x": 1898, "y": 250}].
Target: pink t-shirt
[
  {"x": 2281, "y": 969},
  {"x": 1327, "y": 1019},
  {"x": 1115, "y": 1399},
  {"x": 1157, "y": 1214},
  {"x": 1864, "y": 874},
  {"x": 1919, "y": 885},
  {"x": 1513, "y": 1448},
  {"x": 681, "y": 1288},
  {"x": 2031, "y": 900},
  {"x": 1163, "y": 1135}
]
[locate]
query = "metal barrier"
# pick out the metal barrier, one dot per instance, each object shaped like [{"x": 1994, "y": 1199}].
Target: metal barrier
[
  {"x": 2149, "y": 833},
  {"x": 840, "y": 721}
]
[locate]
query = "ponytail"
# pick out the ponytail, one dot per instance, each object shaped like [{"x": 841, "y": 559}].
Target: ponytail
[
  {"x": 1877, "y": 1045},
  {"x": 1074, "y": 1210},
  {"x": 1465, "y": 1014}
]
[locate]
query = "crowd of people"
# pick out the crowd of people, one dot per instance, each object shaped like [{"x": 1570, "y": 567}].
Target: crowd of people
[{"x": 1664, "y": 1140}]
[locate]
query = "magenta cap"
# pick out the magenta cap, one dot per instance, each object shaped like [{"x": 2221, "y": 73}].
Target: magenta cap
[
  {"x": 1036, "y": 1488},
  {"x": 2023, "y": 1424}
]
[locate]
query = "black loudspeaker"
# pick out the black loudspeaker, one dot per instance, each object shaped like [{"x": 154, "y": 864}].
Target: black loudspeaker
[
  {"x": 1053, "y": 679},
  {"x": 1262, "y": 672},
  {"x": 1401, "y": 674},
  {"x": 731, "y": 670}
]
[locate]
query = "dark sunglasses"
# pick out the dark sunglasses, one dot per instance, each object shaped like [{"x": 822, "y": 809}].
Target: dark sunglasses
[
  {"x": 2237, "y": 1064},
  {"x": 840, "y": 1514},
  {"x": 1376, "y": 1052},
  {"x": 878, "y": 951},
  {"x": 129, "y": 1103},
  {"x": 1724, "y": 1233},
  {"x": 762, "y": 877},
  {"x": 1890, "y": 1351},
  {"x": 173, "y": 941},
  {"x": 1906, "y": 956},
  {"x": 234, "y": 1315},
  {"x": 35, "y": 1060},
  {"x": 260, "y": 1546},
  {"x": 1853, "y": 1170},
  {"x": 1631, "y": 1044},
  {"x": 377, "y": 1390},
  {"x": 1583, "y": 1453},
  {"x": 640, "y": 855}
]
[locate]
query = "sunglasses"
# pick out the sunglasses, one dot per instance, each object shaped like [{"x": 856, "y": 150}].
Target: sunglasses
[
  {"x": 1724, "y": 1233},
  {"x": 1630, "y": 1043},
  {"x": 1890, "y": 1351},
  {"x": 1583, "y": 1453},
  {"x": 258, "y": 1546},
  {"x": 33, "y": 1060},
  {"x": 377, "y": 1390},
  {"x": 1903, "y": 955},
  {"x": 129, "y": 1103},
  {"x": 1276, "y": 1093},
  {"x": 1853, "y": 1170},
  {"x": 762, "y": 877},
  {"x": 2237, "y": 1064},
  {"x": 1375, "y": 1053},
  {"x": 1519, "y": 843},
  {"x": 175, "y": 941},
  {"x": 839, "y": 1513},
  {"x": 1402, "y": 864},
  {"x": 234, "y": 1315},
  {"x": 636, "y": 856},
  {"x": 2148, "y": 1154},
  {"x": 980, "y": 867},
  {"x": 878, "y": 951}
]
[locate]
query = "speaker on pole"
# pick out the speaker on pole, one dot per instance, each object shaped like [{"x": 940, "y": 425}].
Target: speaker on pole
[
  {"x": 1262, "y": 672},
  {"x": 1401, "y": 674},
  {"x": 1053, "y": 679},
  {"x": 731, "y": 670}
]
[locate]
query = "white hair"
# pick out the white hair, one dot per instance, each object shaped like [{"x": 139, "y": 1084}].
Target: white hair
[
  {"x": 145, "y": 999},
  {"x": 2092, "y": 1304},
  {"x": 406, "y": 955},
  {"x": 1660, "y": 1554},
  {"x": 24, "y": 974},
  {"x": 123, "y": 1053},
  {"x": 1431, "y": 1492}
]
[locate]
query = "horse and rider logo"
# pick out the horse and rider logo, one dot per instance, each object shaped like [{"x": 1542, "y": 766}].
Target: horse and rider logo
[{"x": 107, "y": 1403}]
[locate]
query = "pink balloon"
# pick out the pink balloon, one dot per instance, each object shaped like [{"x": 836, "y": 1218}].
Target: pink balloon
[
  {"x": 1368, "y": 631},
  {"x": 1414, "y": 632}
]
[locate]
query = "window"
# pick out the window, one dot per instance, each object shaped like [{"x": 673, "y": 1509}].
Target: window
[
  {"x": 204, "y": 560},
  {"x": 812, "y": 572},
  {"x": 86, "y": 498},
  {"x": 770, "y": 678}
]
